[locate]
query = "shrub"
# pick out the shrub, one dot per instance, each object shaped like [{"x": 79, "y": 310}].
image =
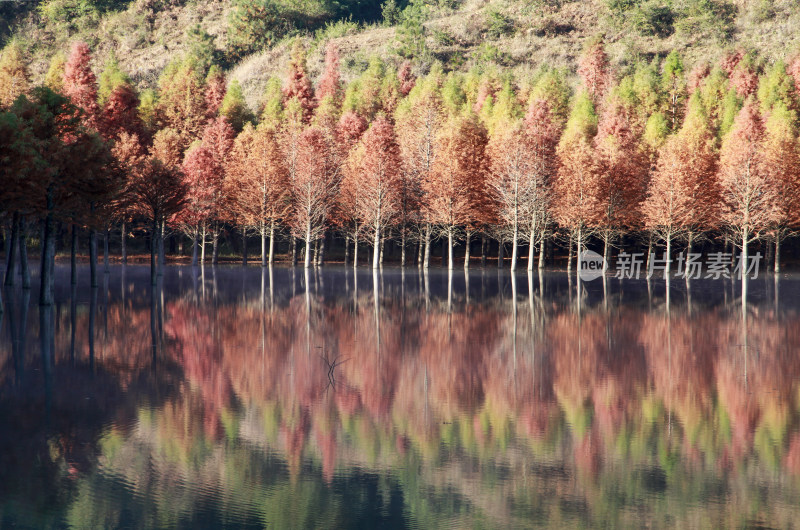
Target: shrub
[{"x": 498, "y": 24}]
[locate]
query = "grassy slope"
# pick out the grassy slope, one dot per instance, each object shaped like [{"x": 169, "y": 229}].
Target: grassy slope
[{"x": 144, "y": 41}]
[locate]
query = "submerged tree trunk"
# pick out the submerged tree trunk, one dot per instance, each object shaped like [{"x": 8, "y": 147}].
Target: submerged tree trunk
[
  {"x": 106, "y": 236},
  {"x": 162, "y": 257},
  {"x": 426, "y": 260},
  {"x": 48, "y": 255},
  {"x": 500, "y": 250},
  {"x": 321, "y": 251},
  {"x": 271, "y": 257},
  {"x": 123, "y": 243},
  {"x": 450, "y": 262},
  {"x": 153, "y": 250},
  {"x": 569, "y": 256},
  {"x": 541, "y": 252},
  {"x": 402, "y": 248},
  {"x": 531, "y": 249},
  {"x": 73, "y": 256},
  {"x": 244, "y": 247},
  {"x": 307, "y": 257},
  {"x": 215, "y": 246},
  {"x": 93, "y": 257},
  {"x": 12, "y": 251},
  {"x": 514, "y": 247},
  {"x": 23, "y": 254},
  {"x": 376, "y": 243},
  {"x": 466, "y": 249},
  {"x": 194, "y": 249},
  {"x": 203, "y": 244}
]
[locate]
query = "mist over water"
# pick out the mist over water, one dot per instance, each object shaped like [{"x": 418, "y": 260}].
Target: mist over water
[{"x": 285, "y": 398}]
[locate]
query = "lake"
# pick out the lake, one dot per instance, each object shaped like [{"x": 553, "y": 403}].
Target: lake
[{"x": 280, "y": 398}]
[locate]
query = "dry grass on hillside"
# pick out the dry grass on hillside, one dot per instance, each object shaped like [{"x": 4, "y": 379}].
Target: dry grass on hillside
[{"x": 538, "y": 33}]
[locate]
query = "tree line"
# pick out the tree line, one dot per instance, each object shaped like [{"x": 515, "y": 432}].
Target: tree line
[{"x": 651, "y": 151}]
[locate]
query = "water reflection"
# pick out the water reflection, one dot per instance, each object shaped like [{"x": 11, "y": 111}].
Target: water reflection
[{"x": 277, "y": 397}]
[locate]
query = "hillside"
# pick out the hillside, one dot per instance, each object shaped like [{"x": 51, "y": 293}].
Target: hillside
[{"x": 145, "y": 35}]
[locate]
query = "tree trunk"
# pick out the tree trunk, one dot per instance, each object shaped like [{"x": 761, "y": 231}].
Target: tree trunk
[
  {"x": 383, "y": 245},
  {"x": 466, "y": 249},
  {"x": 153, "y": 250},
  {"x": 402, "y": 248},
  {"x": 48, "y": 255},
  {"x": 531, "y": 249},
  {"x": 12, "y": 251},
  {"x": 426, "y": 260},
  {"x": 514, "y": 248},
  {"x": 321, "y": 251},
  {"x": 293, "y": 243},
  {"x": 307, "y": 257},
  {"x": 73, "y": 256},
  {"x": 777, "y": 268},
  {"x": 105, "y": 250},
  {"x": 743, "y": 261},
  {"x": 355, "y": 251},
  {"x": 23, "y": 254},
  {"x": 162, "y": 257},
  {"x": 346, "y": 249},
  {"x": 123, "y": 243},
  {"x": 203, "y": 244},
  {"x": 271, "y": 257},
  {"x": 376, "y": 244},
  {"x": 215, "y": 246},
  {"x": 483, "y": 251},
  {"x": 606, "y": 250},
  {"x": 93, "y": 257},
  {"x": 668, "y": 256},
  {"x": 450, "y": 262},
  {"x": 541, "y": 252},
  {"x": 649, "y": 251},
  {"x": 500, "y": 252},
  {"x": 244, "y": 247},
  {"x": 569, "y": 256},
  {"x": 6, "y": 244},
  {"x": 194, "y": 249}
]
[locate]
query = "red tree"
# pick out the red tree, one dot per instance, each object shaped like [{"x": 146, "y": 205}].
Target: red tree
[
  {"x": 625, "y": 168},
  {"x": 376, "y": 175},
  {"x": 80, "y": 83},
  {"x": 593, "y": 68},
  {"x": 257, "y": 184},
  {"x": 782, "y": 165},
  {"x": 215, "y": 91},
  {"x": 312, "y": 189},
  {"x": 330, "y": 84},
  {"x": 121, "y": 114},
  {"x": 749, "y": 197},
  {"x": 406, "y": 78},
  {"x": 298, "y": 86},
  {"x": 456, "y": 190}
]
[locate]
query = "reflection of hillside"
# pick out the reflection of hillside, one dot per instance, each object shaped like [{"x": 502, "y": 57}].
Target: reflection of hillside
[{"x": 504, "y": 407}]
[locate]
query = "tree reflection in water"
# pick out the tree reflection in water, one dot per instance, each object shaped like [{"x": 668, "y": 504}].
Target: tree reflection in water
[{"x": 481, "y": 399}]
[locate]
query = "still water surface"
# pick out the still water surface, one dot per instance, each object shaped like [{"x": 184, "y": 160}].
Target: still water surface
[{"x": 250, "y": 398}]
